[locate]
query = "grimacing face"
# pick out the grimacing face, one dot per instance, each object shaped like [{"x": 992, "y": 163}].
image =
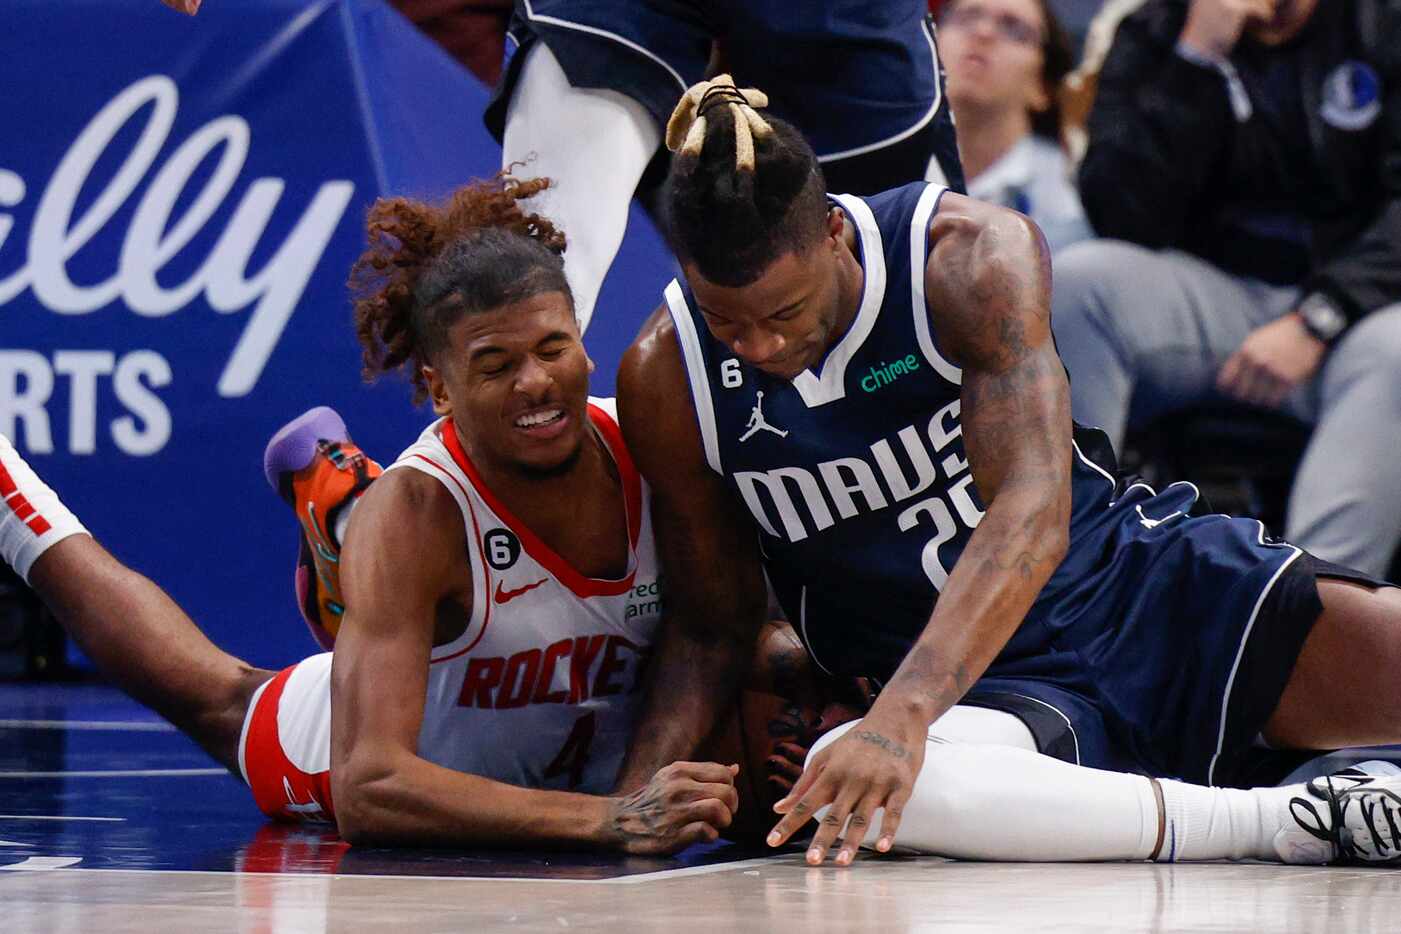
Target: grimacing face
[
  {"x": 516, "y": 382},
  {"x": 784, "y": 321}
]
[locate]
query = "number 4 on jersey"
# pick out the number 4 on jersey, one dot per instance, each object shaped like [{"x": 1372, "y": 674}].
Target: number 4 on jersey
[{"x": 573, "y": 756}]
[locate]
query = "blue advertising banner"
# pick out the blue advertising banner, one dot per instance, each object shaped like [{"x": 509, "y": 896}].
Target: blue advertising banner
[{"x": 180, "y": 202}]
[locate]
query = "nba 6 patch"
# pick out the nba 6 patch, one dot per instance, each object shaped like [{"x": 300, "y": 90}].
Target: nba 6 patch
[{"x": 1351, "y": 97}]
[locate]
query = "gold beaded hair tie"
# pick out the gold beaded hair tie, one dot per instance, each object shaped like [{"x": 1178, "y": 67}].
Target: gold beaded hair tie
[{"x": 685, "y": 131}]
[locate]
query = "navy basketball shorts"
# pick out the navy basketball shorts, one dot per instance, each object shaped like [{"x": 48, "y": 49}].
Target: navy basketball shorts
[
  {"x": 862, "y": 81},
  {"x": 1167, "y": 652}
]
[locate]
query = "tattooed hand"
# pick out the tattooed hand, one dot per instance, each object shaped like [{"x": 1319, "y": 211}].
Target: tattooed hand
[
  {"x": 684, "y": 803},
  {"x": 874, "y": 765}
]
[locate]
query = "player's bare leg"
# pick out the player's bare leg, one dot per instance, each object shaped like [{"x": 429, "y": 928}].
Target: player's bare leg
[
  {"x": 1345, "y": 689},
  {"x": 129, "y": 627}
]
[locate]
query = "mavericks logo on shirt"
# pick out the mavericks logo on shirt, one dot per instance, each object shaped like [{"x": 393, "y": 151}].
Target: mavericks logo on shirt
[{"x": 1351, "y": 97}]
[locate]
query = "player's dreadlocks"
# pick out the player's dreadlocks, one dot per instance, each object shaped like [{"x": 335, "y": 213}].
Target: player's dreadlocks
[
  {"x": 427, "y": 265},
  {"x": 743, "y": 189}
]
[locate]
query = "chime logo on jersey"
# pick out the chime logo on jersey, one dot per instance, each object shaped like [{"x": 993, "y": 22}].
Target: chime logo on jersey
[
  {"x": 887, "y": 373},
  {"x": 788, "y": 502}
]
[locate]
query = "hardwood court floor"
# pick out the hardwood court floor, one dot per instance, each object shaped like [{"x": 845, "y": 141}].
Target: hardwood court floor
[
  {"x": 779, "y": 895},
  {"x": 111, "y": 822}
]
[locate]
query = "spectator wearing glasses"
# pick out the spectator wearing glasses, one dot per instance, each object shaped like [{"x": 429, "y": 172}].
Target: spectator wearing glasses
[
  {"x": 1005, "y": 60},
  {"x": 1245, "y": 155}
]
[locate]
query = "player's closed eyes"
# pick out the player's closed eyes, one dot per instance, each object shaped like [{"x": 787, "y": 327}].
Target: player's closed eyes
[{"x": 970, "y": 16}]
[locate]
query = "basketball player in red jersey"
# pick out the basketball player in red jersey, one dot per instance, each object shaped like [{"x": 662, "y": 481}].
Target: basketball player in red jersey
[{"x": 468, "y": 702}]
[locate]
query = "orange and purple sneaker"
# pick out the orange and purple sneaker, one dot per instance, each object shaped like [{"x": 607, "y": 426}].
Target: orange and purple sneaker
[{"x": 315, "y": 467}]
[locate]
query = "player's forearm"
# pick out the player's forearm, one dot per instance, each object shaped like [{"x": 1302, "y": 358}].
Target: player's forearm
[
  {"x": 693, "y": 679},
  {"x": 407, "y": 801},
  {"x": 1017, "y": 546}
]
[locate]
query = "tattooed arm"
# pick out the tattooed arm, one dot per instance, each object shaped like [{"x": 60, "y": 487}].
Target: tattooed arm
[
  {"x": 715, "y": 599},
  {"x": 988, "y": 283}
]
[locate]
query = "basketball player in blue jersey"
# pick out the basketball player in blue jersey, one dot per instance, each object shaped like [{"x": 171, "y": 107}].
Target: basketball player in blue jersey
[{"x": 929, "y": 516}]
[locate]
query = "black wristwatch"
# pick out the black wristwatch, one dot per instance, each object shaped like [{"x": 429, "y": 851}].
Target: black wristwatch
[{"x": 1322, "y": 317}]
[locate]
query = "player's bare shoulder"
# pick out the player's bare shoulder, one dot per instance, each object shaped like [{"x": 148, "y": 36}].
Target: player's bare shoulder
[
  {"x": 988, "y": 265},
  {"x": 964, "y": 230},
  {"x": 415, "y": 498},
  {"x": 654, "y": 399},
  {"x": 654, "y": 354},
  {"x": 407, "y": 535}
]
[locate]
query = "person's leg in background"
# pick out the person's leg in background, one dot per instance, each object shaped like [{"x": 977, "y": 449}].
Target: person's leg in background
[
  {"x": 1345, "y": 506},
  {"x": 1145, "y": 332},
  {"x": 593, "y": 145}
]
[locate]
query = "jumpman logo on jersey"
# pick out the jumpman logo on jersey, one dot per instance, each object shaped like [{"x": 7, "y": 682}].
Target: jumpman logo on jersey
[{"x": 757, "y": 422}]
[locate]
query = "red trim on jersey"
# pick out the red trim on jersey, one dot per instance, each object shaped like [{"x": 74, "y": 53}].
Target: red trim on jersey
[
  {"x": 20, "y": 506},
  {"x": 481, "y": 551},
  {"x": 563, "y": 571},
  {"x": 276, "y": 783},
  {"x": 632, "y": 481}
]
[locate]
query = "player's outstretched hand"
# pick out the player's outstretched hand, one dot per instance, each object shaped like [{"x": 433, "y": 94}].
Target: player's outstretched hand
[
  {"x": 684, "y": 803},
  {"x": 873, "y": 766},
  {"x": 184, "y": 6}
]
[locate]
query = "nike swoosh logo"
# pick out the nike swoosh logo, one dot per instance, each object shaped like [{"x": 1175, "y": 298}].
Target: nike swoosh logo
[{"x": 506, "y": 596}]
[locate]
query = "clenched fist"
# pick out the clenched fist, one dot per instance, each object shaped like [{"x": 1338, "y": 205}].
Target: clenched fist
[{"x": 684, "y": 803}]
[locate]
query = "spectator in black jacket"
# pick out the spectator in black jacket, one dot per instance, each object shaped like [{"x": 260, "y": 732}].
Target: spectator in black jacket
[{"x": 1245, "y": 155}]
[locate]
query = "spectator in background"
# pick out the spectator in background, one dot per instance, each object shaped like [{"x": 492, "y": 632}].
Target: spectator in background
[
  {"x": 1005, "y": 60},
  {"x": 1246, "y": 157}
]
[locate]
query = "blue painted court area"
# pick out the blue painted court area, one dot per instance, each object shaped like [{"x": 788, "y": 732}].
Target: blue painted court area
[{"x": 91, "y": 780}]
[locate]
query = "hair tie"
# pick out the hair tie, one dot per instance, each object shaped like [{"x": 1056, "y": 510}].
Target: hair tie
[{"x": 685, "y": 131}]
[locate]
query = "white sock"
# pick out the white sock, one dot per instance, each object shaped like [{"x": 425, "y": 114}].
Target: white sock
[
  {"x": 594, "y": 145},
  {"x": 1001, "y": 803},
  {"x": 1229, "y": 823},
  {"x": 32, "y": 520}
]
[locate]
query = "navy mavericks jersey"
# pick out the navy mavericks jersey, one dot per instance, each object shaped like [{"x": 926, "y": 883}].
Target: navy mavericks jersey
[{"x": 855, "y": 473}]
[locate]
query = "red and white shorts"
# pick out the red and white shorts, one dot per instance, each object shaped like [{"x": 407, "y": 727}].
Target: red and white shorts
[{"x": 284, "y": 751}]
